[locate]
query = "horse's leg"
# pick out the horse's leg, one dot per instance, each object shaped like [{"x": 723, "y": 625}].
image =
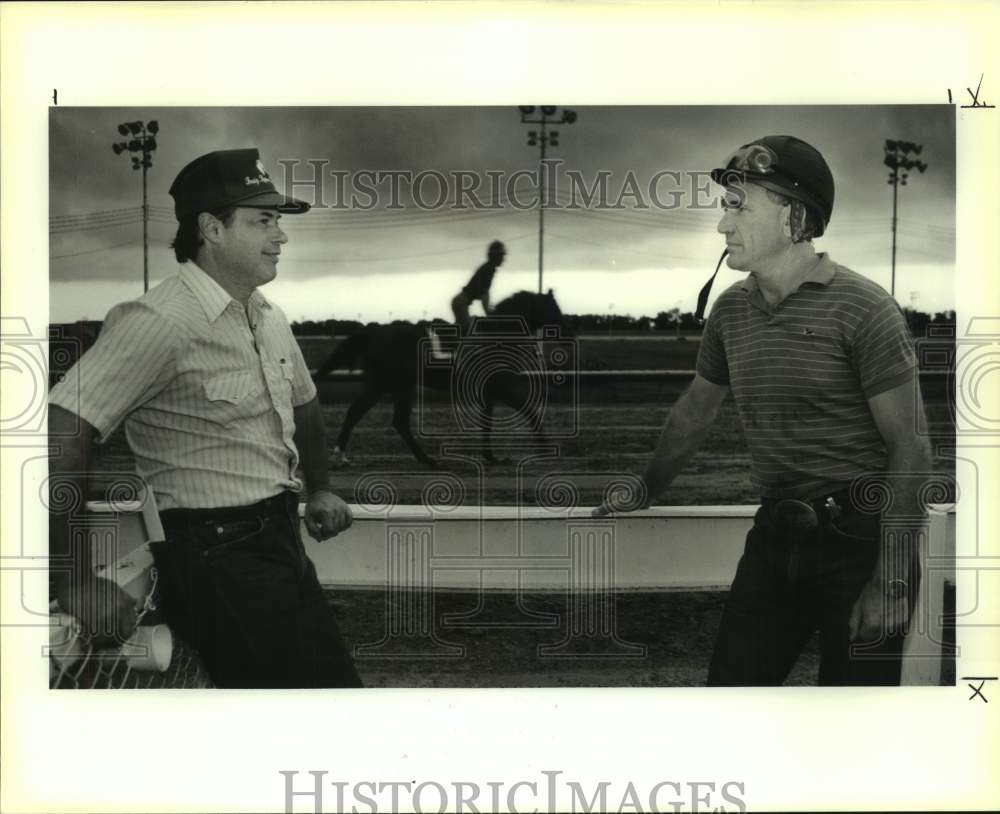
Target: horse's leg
[
  {"x": 516, "y": 395},
  {"x": 323, "y": 369},
  {"x": 489, "y": 404},
  {"x": 359, "y": 407},
  {"x": 402, "y": 409},
  {"x": 538, "y": 414}
]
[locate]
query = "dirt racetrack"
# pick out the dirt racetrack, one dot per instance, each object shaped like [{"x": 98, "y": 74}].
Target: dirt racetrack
[
  {"x": 664, "y": 640},
  {"x": 611, "y": 429}
]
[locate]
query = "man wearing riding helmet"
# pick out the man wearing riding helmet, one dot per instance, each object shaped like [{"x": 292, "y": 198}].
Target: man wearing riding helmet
[
  {"x": 821, "y": 366},
  {"x": 478, "y": 287}
]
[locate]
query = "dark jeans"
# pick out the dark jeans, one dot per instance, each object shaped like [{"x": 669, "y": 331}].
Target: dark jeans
[
  {"x": 236, "y": 584},
  {"x": 786, "y": 588}
]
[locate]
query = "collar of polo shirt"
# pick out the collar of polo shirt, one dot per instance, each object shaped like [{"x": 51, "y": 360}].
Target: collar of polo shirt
[{"x": 822, "y": 272}]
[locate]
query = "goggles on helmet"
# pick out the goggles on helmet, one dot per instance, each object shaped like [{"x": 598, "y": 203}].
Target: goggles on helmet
[
  {"x": 757, "y": 158},
  {"x": 754, "y": 162},
  {"x": 760, "y": 163}
]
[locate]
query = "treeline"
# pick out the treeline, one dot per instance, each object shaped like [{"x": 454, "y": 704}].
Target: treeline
[
  {"x": 665, "y": 322},
  {"x": 919, "y": 321},
  {"x": 68, "y": 341},
  {"x": 84, "y": 332}
]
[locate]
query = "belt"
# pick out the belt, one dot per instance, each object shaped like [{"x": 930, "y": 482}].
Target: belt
[
  {"x": 277, "y": 505},
  {"x": 808, "y": 514}
]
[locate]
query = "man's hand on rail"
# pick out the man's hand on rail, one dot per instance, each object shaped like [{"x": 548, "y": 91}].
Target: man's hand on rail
[{"x": 623, "y": 498}]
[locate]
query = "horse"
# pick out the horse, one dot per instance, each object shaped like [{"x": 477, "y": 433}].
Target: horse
[{"x": 480, "y": 368}]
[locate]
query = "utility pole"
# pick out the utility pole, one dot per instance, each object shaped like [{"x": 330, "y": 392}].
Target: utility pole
[
  {"x": 140, "y": 147},
  {"x": 899, "y": 159},
  {"x": 543, "y": 139}
]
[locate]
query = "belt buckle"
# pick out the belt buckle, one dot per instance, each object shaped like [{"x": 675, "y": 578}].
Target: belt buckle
[
  {"x": 793, "y": 515},
  {"x": 832, "y": 508}
]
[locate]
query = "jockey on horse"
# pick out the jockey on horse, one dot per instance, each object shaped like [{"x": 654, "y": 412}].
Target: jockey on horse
[
  {"x": 478, "y": 287},
  {"x": 391, "y": 358}
]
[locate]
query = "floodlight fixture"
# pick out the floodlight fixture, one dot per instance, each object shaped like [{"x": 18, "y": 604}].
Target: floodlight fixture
[{"x": 899, "y": 159}]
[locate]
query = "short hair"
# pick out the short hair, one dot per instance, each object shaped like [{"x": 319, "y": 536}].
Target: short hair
[
  {"x": 811, "y": 220},
  {"x": 496, "y": 247},
  {"x": 188, "y": 238}
]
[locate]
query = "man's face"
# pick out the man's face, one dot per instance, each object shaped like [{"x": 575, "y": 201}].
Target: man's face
[
  {"x": 251, "y": 245},
  {"x": 754, "y": 229}
]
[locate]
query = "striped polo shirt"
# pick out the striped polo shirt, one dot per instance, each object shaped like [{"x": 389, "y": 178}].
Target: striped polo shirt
[
  {"x": 205, "y": 387},
  {"x": 801, "y": 373}
]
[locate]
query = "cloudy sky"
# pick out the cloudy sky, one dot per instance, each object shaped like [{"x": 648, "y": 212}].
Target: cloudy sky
[{"x": 379, "y": 258}]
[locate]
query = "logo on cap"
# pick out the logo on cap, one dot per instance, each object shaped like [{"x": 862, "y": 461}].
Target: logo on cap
[{"x": 262, "y": 176}]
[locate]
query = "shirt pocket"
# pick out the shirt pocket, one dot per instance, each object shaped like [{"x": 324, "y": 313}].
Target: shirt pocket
[{"x": 230, "y": 397}]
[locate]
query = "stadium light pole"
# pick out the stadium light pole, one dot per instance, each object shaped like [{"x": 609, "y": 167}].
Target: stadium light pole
[
  {"x": 140, "y": 146},
  {"x": 899, "y": 158},
  {"x": 543, "y": 138}
]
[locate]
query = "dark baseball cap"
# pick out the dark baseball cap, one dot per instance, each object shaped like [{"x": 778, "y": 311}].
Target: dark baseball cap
[{"x": 228, "y": 178}]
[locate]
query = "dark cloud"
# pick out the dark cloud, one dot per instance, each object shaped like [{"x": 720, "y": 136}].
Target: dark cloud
[{"x": 86, "y": 176}]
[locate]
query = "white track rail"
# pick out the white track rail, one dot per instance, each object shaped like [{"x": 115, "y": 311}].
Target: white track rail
[{"x": 491, "y": 549}]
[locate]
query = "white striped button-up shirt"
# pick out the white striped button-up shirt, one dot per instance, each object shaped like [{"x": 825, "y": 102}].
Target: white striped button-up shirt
[{"x": 206, "y": 390}]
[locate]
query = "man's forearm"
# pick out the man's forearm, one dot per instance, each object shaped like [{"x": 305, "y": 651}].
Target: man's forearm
[
  {"x": 70, "y": 554},
  {"x": 310, "y": 440},
  {"x": 905, "y": 521},
  {"x": 71, "y": 559},
  {"x": 683, "y": 433},
  {"x": 106, "y": 612}
]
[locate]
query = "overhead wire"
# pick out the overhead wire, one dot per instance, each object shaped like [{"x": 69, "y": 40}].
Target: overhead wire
[
  {"x": 434, "y": 218},
  {"x": 616, "y": 249},
  {"x": 936, "y": 241},
  {"x": 104, "y": 213},
  {"x": 95, "y": 251},
  {"x": 95, "y": 227},
  {"x": 390, "y": 258}
]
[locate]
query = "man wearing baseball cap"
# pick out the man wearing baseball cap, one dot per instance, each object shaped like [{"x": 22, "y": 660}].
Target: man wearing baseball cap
[
  {"x": 821, "y": 366},
  {"x": 220, "y": 412}
]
